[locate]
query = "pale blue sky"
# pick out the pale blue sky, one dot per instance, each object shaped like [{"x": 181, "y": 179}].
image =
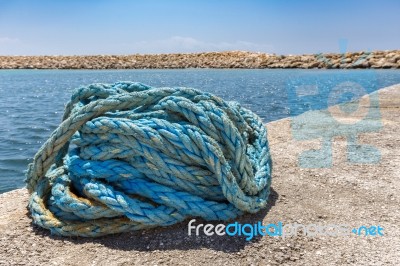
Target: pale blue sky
[{"x": 156, "y": 26}]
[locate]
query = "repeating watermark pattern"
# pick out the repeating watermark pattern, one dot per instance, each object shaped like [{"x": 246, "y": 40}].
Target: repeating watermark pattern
[
  {"x": 282, "y": 230},
  {"x": 318, "y": 112}
]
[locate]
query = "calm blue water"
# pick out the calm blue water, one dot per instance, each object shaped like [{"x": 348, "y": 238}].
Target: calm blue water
[{"x": 32, "y": 101}]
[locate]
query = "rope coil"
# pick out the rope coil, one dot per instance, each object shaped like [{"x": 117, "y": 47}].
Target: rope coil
[{"x": 128, "y": 156}]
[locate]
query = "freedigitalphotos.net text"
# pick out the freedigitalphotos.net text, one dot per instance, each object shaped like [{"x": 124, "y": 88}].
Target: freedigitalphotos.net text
[{"x": 281, "y": 230}]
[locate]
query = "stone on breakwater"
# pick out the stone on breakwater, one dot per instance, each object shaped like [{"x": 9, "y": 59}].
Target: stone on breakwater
[{"x": 230, "y": 59}]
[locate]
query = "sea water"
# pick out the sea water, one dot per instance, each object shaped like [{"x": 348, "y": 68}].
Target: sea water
[{"x": 32, "y": 101}]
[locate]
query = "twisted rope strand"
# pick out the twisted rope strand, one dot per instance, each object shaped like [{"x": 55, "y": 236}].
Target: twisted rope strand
[{"x": 146, "y": 157}]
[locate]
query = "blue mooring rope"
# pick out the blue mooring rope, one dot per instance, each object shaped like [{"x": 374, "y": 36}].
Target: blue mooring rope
[{"x": 128, "y": 156}]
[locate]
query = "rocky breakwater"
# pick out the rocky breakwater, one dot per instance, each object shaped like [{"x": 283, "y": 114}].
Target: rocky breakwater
[{"x": 233, "y": 59}]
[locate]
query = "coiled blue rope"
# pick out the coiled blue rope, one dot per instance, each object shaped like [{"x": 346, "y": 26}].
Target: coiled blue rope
[{"x": 128, "y": 156}]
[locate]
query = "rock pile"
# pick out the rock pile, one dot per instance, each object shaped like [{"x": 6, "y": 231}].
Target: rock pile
[{"x": 232, "y": 59}]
